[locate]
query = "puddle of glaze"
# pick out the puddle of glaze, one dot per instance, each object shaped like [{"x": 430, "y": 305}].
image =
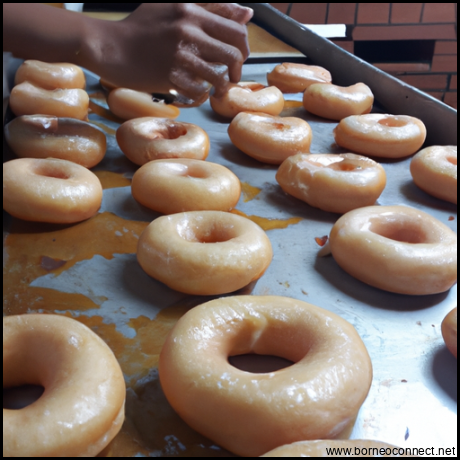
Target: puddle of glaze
[
  {"x": 110, "y": 179},
  {"x": 104, "y": 127},
  {"x": 98, "y": 96},
  {"x": 269, "y": 224},
  {"x": 103, "y": 112},
  {"x": 249, "y": 192},
  {"x": 292, "y": 104},
  {"x": 29, "y": 243}
]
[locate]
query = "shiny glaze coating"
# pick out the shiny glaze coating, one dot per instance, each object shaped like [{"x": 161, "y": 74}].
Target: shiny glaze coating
[
  {"x": 50, "y": 190},
  {"x": 396, "y": 248},
  {"x": 248, "y": 97},
  {"x": 357, "y": 447},
  {"x": 334, "y": 183},
  {"x": 434, "y": 170},
  {"x": 337, "y": 102},
  {"x": 449, "y": 331},
  {"x": 289, "y": 77},
  {"x": 128, "y": 104},
  {"x": 50, "y": 76},
  {"x": 204, "y": 252},
  {"x": 82, "y": 407},
  {"x": 28, "y": 99},
  {"x": 270, "y": 139},
  {"x": 184, "y": 184},
  {"x": 148, "y": 138},
  {"x": 249, "y": 414},
  {"x": 381, "y": 135},
  {"x": 45, "y": 136}
]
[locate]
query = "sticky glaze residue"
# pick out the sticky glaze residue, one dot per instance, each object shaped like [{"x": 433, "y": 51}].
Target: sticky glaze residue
[
  {"x": 249, "y": 192},
  {"x": 29, "y": 243},
  {"x": 269, "y": 224},
  {"x": 110, "y": 179}
]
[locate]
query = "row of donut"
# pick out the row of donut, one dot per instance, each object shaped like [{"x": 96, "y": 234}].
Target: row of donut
[
  {"x": 63, "y": 355},
  {"x": 337, "y": 183}
]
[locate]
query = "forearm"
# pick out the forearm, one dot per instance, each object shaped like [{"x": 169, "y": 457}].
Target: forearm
[{"x": 36, "y": 31}]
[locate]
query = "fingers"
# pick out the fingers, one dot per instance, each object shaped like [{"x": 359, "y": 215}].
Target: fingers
[
  {"x": 232, "y": 11},
  {"x": 192, "y": 76},
  {"x": 228, "y": 32}
]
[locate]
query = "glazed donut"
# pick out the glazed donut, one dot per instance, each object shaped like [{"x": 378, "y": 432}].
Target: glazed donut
[
  {"x": 268, "y": 138},
  {"x": 434, "y": 170},
  {"x": 82, "y": 407},
  {"x": 396, "y": 248},
  {"x": 356, "y": 447},
  {"x": 449, "y": 331},
  {"x": 337, "y": 102},
  {"x": 380, "y": 135},
  {"x": 148, "y": 138},
  {"x": 28, "y": 99},
  {"x": 50, "y": 76},
  {"x": 183, "y": 184},
  {"x": 333, "y": 183},
  {"x": 50, "y": 190},
  {"x": 176, "y": 250},
  {"x": 296, "y": 78},
  {"x": 44, "y": 136},
  {"x": 248, "y": 97},
  {"x": 249, "y": 414},
  {"x": 127, "y": 104}
]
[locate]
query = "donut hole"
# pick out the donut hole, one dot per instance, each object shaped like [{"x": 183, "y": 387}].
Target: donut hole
[
  {"x": 171, "y": 131},
  {"x": 197, "y": 172},
  {"x": 21, "y": 396},
  {"x": 392, "y": 122},
  {"x": 53, "y": 172},
  {"x": 259, "y": 364},
  {"x": 279, "y": 126},
  {"x": 214, "y": 233},
  {"x": 452, "y": 160},
  {"x": 253, "y": 86},
  {"x": 345, "y": 166},
  {"x": 400, "y": 231}
]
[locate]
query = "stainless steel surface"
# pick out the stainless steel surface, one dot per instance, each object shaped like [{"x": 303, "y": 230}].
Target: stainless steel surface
[{"x": 412, "y": 401}]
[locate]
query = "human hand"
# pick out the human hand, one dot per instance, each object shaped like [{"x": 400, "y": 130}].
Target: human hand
[{"x": 187, "y": 47}]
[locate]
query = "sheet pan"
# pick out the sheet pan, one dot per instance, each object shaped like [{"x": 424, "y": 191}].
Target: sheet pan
[{"x": 412, "y": 401}]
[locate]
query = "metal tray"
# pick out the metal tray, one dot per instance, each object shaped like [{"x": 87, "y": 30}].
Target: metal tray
[{"x": 89, "y": 271}]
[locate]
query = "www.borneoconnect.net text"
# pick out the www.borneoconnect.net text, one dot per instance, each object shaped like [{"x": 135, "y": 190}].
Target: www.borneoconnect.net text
[{"x": 391, "y": 451}]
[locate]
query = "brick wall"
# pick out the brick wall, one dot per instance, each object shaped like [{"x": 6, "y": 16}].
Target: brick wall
[{"x": 427, "y": 23}]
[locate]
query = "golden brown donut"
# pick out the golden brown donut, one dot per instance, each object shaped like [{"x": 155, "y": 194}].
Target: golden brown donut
[
  {"x": 381, "y": 135},
  {"x": 396, "y": 248},
  {"x": 128, "y": 103},
  {"x": 249, "y": 414},
  {"x": 148, "y": 138},
  {"x": 50, "y": 76},
  {"x": 434, "y": 170},
  {"x": 449, "y": 331},
  {"x": 336, "y": 448},
  {"x": 44, "y": 136},
  {"x": 82, "y": 407},
  {"x": 248, "y": 97},
  {"x": 269, "y": 138},
  {"x": 296, "y": 78},
  {"x": 50, "y": 190},
  {"x": 204, "y": 252},
  {"x": 334, "y": 183},
  {"x": 184, "y": 184},
  {"x": 337, "y": 102},
  {"x": 28, "y": 99}
]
